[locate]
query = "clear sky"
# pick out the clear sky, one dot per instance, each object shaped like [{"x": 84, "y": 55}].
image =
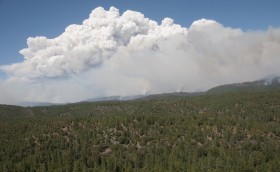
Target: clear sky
[
  {"x": 20, "y": 19},
  {"x": 114, "y": 52}
]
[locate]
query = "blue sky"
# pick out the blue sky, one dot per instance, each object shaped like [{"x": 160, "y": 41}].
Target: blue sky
[{"x": 21, "y": 19}]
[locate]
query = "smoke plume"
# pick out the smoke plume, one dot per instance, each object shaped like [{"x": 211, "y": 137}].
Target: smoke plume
[{"x": 127, "y": 54}]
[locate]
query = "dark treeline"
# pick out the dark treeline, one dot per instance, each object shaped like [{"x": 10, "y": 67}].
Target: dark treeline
[{"x": 223, "y": 132}]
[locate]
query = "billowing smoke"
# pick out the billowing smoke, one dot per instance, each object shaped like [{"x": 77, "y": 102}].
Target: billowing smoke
[{"x": 113, "y": 54}]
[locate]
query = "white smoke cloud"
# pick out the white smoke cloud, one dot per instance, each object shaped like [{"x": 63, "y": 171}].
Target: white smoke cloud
[{"x": 128, "y": 54}]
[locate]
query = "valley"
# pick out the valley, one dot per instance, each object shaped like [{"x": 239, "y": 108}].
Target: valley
[{"x": 233, "y": 131}]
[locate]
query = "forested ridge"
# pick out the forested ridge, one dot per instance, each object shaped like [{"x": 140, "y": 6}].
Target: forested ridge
[{"x": 238, "y": 131}]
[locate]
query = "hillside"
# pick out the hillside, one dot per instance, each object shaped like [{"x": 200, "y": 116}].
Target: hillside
[
  {"x": 219, "y": 132},
  {"x": 264, "y": 84}
]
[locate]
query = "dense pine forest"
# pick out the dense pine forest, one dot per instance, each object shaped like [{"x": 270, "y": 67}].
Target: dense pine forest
[{"x": 237, "y": 131}]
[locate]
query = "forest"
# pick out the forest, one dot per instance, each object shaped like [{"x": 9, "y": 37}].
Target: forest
[{"x": 234, "y": 131}]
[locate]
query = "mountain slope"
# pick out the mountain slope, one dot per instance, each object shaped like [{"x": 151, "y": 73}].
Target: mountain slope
[{"x": 267, "y": 83}]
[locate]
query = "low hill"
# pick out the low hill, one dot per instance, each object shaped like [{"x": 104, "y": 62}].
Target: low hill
[
  {"x": 267, "y": 83},
  {"x": 15, "y": 112}
]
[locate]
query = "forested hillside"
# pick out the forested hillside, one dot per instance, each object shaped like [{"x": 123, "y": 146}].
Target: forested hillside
[{"x": 211, "y": 132}]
